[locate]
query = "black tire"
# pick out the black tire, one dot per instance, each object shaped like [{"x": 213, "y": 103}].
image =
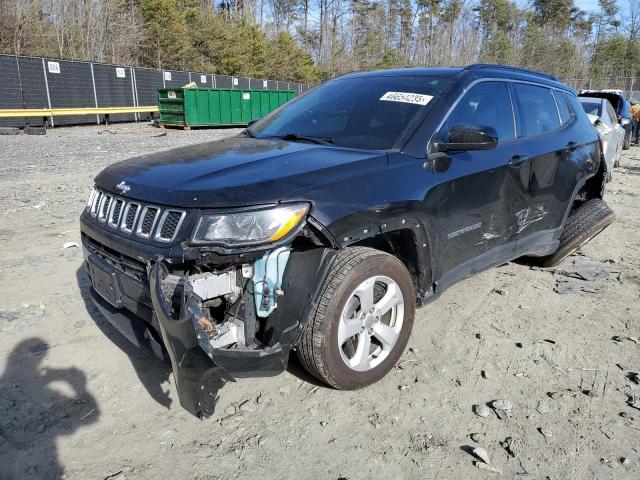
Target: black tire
[
  {"x": 9, "y": 131},
  {"x": 584, "y": 223},
  {"x": 318, "y": 350},
  {"x": 35, "y": 130}
]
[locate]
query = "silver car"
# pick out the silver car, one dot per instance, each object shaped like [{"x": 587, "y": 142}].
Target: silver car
[{"x": 603, "y": 117}]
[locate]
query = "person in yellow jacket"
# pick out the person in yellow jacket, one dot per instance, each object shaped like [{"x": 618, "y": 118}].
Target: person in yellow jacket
[{"x": 635, "y": 118}]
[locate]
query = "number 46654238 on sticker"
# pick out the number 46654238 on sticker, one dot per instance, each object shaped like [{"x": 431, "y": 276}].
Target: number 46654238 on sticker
[{"x": 404, "y": 97}]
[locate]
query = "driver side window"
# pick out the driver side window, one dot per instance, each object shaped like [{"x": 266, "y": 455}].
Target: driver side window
[{"x": 487, "y": 104}]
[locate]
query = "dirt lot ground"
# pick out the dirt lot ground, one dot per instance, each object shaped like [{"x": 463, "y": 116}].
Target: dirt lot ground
[{"x": 78, "y": 402}]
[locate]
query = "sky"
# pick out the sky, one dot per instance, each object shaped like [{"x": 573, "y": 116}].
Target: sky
[
  {"x": 589, "y": 5},
  {"x": 592, "y": 5}
]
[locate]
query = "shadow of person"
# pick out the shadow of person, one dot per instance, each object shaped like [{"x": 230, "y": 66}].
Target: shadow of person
[
  {"x": 151, "y": 371},
  {"x": 37, "y": 405}
]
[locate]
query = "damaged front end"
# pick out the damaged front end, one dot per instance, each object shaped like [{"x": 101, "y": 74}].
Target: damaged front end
[
  {"x": 240, "y": 321},
  {"x": 222, "y": 294}
]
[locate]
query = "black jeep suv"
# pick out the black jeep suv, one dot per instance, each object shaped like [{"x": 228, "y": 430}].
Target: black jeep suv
[{"x": 323, "y": 225}]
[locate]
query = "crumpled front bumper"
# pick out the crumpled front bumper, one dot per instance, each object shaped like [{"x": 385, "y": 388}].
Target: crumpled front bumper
[{"x": 199, "y": 374}]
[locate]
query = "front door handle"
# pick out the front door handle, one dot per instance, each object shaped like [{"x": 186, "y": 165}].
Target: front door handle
[{"x": 518, "y": 160}]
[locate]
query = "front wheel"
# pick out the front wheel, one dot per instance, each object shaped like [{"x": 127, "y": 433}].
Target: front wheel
[{"x": 362, "y": 322}]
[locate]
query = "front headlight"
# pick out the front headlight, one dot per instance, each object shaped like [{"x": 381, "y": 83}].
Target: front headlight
[{"x": 250, "y": 227}]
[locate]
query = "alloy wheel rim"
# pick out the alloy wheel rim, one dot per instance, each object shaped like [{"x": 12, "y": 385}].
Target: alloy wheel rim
[{"x": 370, "y": 323}]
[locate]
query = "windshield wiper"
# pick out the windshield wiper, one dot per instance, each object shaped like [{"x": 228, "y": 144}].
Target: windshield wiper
[
  {"x": 307, "y": 138},
  {"x": 249, "y": 133}
]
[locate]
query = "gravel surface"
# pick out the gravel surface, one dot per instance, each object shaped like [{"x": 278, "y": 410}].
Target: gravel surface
[{"x": 502, "y": 368}]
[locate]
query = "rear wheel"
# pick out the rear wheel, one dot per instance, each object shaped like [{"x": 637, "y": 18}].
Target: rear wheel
[
  {"x": 9, "y": 131},
  {"x": 584, "y": 223},
  {"x": 627, "y": 141},
  {"x": 35, "y": 130},
  {"x": 362, "y": 322}
]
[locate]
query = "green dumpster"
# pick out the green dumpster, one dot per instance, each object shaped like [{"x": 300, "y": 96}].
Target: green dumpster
[{"x": 207, "y": 107}]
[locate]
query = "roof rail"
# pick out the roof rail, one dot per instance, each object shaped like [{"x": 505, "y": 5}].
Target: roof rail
[{"x": 516, "y": 69}]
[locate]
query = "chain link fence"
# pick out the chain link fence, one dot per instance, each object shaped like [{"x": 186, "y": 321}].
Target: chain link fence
[{"x": 34, "y": 82}]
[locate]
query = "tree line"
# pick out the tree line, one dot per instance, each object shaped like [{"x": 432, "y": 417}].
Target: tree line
[{"x": 312, "y": 40}]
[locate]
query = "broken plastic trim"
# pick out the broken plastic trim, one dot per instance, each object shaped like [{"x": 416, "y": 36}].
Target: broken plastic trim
[{"x": 197, "y": 378}]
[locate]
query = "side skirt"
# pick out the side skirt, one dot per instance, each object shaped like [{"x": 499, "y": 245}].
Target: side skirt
[{"x": 541, "y": 243}]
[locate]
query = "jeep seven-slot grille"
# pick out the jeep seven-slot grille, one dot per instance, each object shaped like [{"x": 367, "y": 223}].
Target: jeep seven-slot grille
[
  {"x": 97, "y": 200},
  {"x": 114, "y": 218},
  {"x": 171, "y": 221},
  {"x": 104, "y": 208},
  {"x": 130, "y": 219},
  {"x": 149, "y": 218},
  {"x": 133, "y": 218}
]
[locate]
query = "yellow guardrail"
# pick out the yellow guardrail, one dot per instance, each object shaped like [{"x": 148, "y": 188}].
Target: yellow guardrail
[{"x": 53, "y": 112}]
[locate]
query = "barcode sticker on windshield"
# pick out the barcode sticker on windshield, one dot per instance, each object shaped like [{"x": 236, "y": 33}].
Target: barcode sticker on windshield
[{"x": 404, "y": 97}]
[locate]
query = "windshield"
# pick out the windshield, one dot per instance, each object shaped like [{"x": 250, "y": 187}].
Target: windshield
[
  {"x": 592, "y": 108},
  {"x": 374, "y": 113}
]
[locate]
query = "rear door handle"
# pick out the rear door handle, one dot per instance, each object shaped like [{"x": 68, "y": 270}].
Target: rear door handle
[
  {"x": 571, "y": 146},
  {"x": 518, "y": 160}
]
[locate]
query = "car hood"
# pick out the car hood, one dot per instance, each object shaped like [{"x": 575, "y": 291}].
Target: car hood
[{"x": 235, "y": 172}]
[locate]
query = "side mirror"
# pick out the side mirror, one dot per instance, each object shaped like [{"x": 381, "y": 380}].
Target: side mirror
[
  {"x": 625, "y": 121},
  {"x": 466, "y": 136},
  {"x": 251, "y": 122}
]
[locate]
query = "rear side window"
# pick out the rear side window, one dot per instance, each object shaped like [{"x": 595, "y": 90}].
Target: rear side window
[
  {"x": 536, "y": 108},
  {"x": 612, "y": 113},
  {"x": 486, "y": 104},
  {"x": 591, "y": 108},
  {"x": 564, "y": 109},
  {"x": 613, "y": 119},
  {"x": 576, "y": 107}
]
